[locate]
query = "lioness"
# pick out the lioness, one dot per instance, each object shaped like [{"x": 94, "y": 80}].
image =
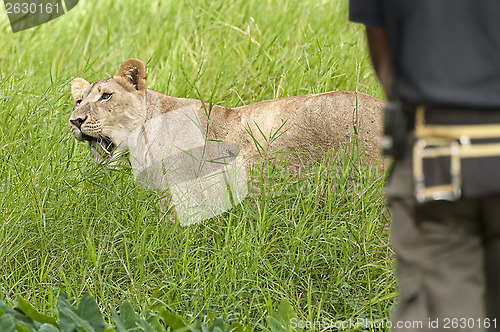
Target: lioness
[{"x": 107, "y": 111}]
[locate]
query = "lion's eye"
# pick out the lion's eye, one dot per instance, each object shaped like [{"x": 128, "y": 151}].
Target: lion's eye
[
  {"x": 78, "y": 102},
  {"x": 105, "y": 96}
]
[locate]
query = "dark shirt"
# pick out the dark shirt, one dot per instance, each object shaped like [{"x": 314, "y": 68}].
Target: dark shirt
[{"x": 445, "y": 51}]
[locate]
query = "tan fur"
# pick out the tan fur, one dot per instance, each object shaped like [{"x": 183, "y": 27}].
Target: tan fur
[{"x": 309, "y": 124}]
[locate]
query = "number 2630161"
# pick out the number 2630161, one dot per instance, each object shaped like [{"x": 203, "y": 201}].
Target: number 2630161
[
  {"x": 469, "y": 323},
  {"x": 32, "y": 8}
]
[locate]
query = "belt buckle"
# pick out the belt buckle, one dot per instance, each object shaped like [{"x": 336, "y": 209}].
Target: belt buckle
[{"x": 432, "y": 147}]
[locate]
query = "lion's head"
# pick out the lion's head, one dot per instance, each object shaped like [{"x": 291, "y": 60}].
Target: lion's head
[{"x": 107, "y": 111}]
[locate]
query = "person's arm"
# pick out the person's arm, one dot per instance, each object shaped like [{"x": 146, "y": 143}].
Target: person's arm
[{"x": 380, "y": 53}]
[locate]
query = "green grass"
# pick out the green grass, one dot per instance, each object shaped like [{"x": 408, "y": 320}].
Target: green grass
[{"x": 66, "y": 224}]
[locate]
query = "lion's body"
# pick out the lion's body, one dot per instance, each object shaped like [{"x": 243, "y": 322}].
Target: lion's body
[{"x": 309, "y": 125}]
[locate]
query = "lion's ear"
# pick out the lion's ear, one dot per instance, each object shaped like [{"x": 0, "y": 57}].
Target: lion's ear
[
  {"x": 134, "y": 72},
  {"x": 77, "y": 86}
]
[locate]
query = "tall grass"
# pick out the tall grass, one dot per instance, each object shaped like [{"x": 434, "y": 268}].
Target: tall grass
[{"x": 66, "y": 224}]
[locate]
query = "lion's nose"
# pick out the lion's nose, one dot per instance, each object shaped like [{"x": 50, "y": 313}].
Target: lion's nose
[{"x": 78, "y": 121}]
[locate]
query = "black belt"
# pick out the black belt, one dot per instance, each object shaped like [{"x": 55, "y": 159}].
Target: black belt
[{"x": 452, "y": 115}]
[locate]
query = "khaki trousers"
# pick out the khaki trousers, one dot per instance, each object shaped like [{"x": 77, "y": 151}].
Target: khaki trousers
[{"x": 447, "y": 259}]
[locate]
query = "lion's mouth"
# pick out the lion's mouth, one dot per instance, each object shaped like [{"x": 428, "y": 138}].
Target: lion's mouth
[{"x": 101, "y": 147}]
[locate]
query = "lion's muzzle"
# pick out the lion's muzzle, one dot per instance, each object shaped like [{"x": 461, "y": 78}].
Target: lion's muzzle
[{"x": 85, "y": 128}]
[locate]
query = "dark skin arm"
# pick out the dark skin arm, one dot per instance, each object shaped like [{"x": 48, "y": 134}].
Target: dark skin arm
[{"x": 380, "y": 53}]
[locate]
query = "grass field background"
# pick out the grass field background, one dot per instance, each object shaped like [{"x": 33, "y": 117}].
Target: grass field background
[{"x": 66, "y": 224}]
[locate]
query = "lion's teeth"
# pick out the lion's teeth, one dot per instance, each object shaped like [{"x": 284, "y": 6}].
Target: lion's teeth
[{"x": 105, "y": 145}]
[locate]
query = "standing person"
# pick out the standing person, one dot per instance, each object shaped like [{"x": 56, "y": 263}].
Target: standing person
[{"x": 440, "y": 61}]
